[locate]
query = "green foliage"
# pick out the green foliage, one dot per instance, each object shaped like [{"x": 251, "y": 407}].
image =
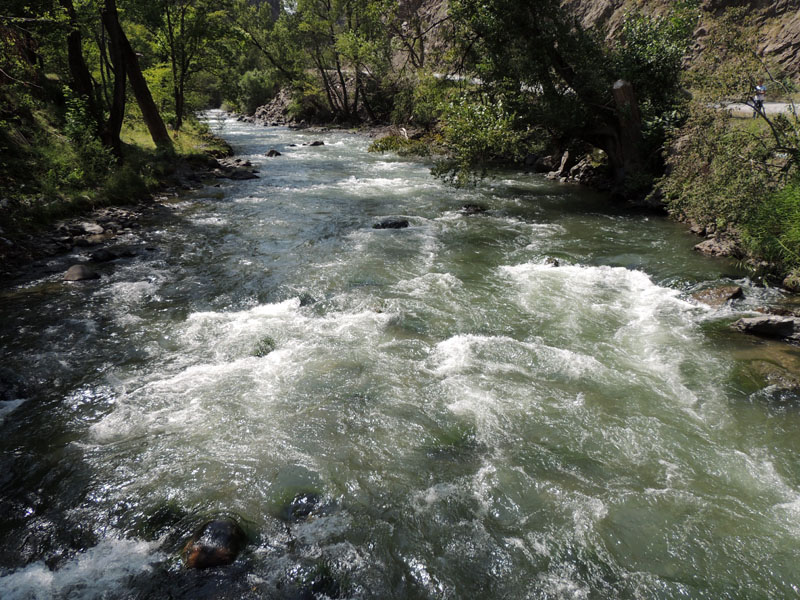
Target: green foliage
[
  {"x": 255, "y": 89},
  {"x": 719, "y": 172},
  {"x": 401, "y": 145},
  {"x": 421, "y": 100},
  {"x": 478, "y": 131},
  {"x": 773, "y": 230}
]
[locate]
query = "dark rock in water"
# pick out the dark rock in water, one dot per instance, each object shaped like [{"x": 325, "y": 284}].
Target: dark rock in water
[
  {"x": 719, "y": 295},
  {"x": 215, "y": 544},
  {"x": 80, "y": 273},
  {"x": 787, "y": 328},
  {"x": 317, "y": 143},
  {"x": 391, "y": 224},
  {"x": 103, "y": 255},
  {"x": 292, "y": 145},
  {"x": 319, "y": 583},
  {"x": 301, "y": 506},
  {"x": 553, "y": 262},
  {"x": 472, "y": 209},
  {"x": 242, "y": 174},
  {"x": 273, "y": 153}
]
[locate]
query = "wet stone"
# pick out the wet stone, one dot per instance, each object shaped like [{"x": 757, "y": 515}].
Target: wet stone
[
  {"x": 472, "y": 209},
  {"x": 718, "y": 296},
  {"x": 80, "y": 273},
  {"x": 215, "y": 544},
  {"x": 391, "y": 224}
]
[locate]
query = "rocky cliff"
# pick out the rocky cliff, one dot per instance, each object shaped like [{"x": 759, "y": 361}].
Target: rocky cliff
[{"x": 778, "y": 22}]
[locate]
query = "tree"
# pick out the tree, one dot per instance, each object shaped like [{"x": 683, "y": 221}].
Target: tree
[{"x": 553, "y": 73}]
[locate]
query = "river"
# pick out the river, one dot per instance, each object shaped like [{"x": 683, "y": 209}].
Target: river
[{"x": 471, "y": 420}]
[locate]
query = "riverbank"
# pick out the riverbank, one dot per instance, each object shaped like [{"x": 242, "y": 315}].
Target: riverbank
[{"x": 96, "y": 219}]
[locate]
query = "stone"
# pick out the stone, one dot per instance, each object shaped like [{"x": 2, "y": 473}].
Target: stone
[
  {"x": 717, "y": 247},
  {"x": 391, "y": 223},
  {"x": 472, "y": 209},
  {"x": 215, "y": 544},
  {"x": 792, "y": 282},
  {"x": 718, "y": 296},
  {"x": 92, "y": 228},
  {"x": 317, "y": 143},
  {"x": 272, "y": 153},
  {"x": 80, "y": 273},
  {"x": 242, "y": 174},
  {"x": 786, "y": 328},
  {"x": 302, "y": 506},
  {"x": 553, "y": 262},
  {"x": 545, "y": 164},
  {"x": 103, "y": 255}
]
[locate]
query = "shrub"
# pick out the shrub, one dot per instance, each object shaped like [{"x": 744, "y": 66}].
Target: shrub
[
  {"x": 255, "y": 89},
  {"x": 773, "y": 232}
]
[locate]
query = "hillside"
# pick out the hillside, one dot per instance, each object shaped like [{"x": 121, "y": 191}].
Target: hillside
[{"x": 778, "y": 22}]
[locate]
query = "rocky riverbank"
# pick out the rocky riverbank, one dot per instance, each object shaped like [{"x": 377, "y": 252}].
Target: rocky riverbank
[{"x": 105, "y": 234}]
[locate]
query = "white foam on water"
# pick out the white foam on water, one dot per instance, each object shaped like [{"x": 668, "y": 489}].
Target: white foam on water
[
  {"x": 219, "y": 221},
  {"x": 430, "y": 284},
  {"x": 99, "y": 572}
]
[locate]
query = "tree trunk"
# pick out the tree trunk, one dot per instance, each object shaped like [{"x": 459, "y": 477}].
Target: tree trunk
[
  {"x": 629, "y": 139},
  {"x": 150, "y": 114},
  {"x": 110, "y": 133},
  {"x": 81, "y": 79}
]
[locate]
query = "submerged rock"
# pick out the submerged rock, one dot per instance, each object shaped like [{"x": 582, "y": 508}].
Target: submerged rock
[
  {"x": 472, "y": 209},
  {"x": 272, "y": 153},
  {"x": 391, "y": 223},
  {"x": 317, "y": 143},
  {"x": 215, "y": 544},
  {"x": 719, "y": 295},
  {"x": 80, "y": 273},
  {"x": 302, "y": 506},
  {"x": 786, "y": 328}
]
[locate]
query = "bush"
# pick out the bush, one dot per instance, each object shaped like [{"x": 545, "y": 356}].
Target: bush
[
  {"x": 773, "y": 232},
  {"x": 401, "y": 145},
  {"x": 477, "y": 131},
  {"x": 256, "y": 88}
]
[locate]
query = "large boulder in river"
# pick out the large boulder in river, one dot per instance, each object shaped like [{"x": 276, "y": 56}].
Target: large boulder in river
[
  {"x": 215, "y": 544},
  {"x": 80, "y": 273},
  {"x": 317, "y": 143},
  {"x": 391, "y": 223},
  {"x": 787, "y": 328},
  {"x": 718, "y": 296}
]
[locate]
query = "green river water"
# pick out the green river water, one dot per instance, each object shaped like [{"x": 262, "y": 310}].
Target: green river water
[{"x": 474, "y": 421}]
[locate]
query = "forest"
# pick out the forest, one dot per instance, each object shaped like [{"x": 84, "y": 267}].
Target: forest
[{"x": 99, "y": 98}]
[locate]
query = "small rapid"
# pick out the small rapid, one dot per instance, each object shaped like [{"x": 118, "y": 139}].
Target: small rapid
[{"x": 525, "y": 403}]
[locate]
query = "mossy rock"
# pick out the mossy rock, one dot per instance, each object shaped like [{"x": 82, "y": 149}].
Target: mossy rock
[{"x": 265, "y": 346}]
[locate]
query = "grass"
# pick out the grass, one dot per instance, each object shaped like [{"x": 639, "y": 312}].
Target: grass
[{"x": 48, "y": 177}]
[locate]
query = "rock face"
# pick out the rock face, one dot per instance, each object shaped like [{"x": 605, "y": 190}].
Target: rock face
[
  {"x": 787, "y": 328},
  {"x": 717, "y": 247},
  {"x": 80, "y": 273},
  {"x": 778, "y": 22},
  {"x": 215, "y": 544},
  {"x": 391, "y": 223},
  {"x": 718, "y": 296}
]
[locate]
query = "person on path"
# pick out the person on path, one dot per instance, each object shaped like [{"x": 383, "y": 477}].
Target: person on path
[{"x": 758, "y": 99}]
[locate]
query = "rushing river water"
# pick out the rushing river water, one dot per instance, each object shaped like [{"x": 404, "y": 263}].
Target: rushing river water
[{"x": 474, "y": 421}]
